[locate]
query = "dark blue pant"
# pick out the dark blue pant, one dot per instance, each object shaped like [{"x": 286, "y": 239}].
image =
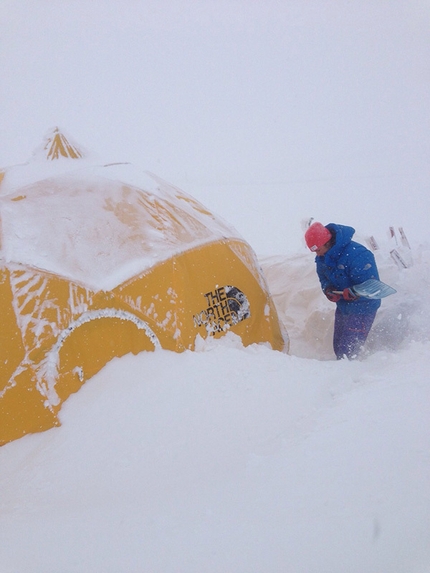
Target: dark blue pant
[{"x": 350, "y": 333}]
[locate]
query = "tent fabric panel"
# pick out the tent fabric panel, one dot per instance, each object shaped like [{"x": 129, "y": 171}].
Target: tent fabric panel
[
  {"x": 12, "y": 350},
  {"x": 23, "y": 409},
  {"x": 224, "y": 294},
  {"x": 186, "y": 296},
  {"x": 91, "y": 346}
]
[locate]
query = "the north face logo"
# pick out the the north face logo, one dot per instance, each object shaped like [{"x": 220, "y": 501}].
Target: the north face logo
[{"x": 226, "y": 306}]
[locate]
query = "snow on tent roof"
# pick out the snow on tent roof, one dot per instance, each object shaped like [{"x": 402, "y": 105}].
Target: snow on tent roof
[{"x": 97, "y": 225}]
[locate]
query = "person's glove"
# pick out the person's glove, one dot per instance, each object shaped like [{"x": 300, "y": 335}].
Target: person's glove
[
  {"x": 349, "y": 294},
  {"x": 332, "y": 296}
]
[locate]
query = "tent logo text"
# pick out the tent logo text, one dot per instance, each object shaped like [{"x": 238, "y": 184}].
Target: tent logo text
[{"x": 226, "y": 306}]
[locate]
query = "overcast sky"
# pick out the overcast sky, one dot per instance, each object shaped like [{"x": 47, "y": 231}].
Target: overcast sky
[{"x": 226, "y": 92}]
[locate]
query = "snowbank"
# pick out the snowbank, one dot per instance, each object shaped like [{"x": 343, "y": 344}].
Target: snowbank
[{"x": 239, "y": 459}]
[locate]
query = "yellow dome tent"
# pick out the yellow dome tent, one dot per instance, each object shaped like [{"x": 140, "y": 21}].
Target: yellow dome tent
[{"x": 99, "y": 261}]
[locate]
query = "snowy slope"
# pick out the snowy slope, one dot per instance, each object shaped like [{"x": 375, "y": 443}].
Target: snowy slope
[{"x": 229, "y": 459}]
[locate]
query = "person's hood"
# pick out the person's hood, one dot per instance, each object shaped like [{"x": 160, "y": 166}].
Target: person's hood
[{"x": 343, "y": 235}]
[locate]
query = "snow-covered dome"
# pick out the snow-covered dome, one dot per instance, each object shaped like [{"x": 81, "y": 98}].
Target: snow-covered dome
[
  {"x": 101, "y": 260},
  {"x": 94, "y": 224}
]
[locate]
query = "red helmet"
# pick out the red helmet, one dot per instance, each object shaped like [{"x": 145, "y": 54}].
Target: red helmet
[{"x": 316, "y": 236}]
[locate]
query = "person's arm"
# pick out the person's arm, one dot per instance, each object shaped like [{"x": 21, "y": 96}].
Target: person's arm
[
  {"x": 327, "y": 288},
  {"x": 363, "y": 267}
]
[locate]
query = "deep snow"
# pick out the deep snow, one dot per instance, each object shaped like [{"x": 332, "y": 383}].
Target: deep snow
[
  {"x": 239, "y": 459},
  {"x": 233, "y": 459}
]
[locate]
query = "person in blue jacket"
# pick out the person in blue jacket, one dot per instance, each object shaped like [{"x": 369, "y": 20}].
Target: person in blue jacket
[{"x": 342, "y": 263}]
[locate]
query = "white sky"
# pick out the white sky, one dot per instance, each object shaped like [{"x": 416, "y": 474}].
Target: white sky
[{"x": 321, "y": 97}]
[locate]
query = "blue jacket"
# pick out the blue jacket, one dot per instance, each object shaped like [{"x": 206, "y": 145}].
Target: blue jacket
[{"x": 347, "y": 264}]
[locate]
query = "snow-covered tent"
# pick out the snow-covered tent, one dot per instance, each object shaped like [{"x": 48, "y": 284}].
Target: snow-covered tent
[{"x": 101, "y": 260}]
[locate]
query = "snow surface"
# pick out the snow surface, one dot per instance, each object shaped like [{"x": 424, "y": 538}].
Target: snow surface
[{"x": 233, "y": 459}]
